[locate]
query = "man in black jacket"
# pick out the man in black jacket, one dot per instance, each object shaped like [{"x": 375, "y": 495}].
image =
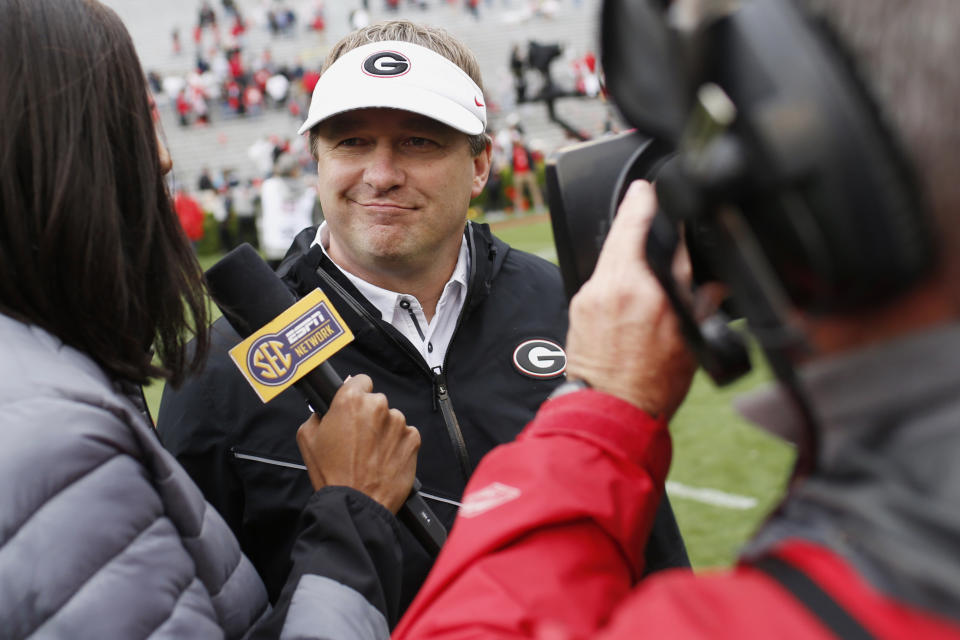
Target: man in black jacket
[{"x": 462, "y": 333}]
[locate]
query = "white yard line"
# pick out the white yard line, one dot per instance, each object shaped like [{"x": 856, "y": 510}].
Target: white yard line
[{"x": 713, "y": 497}]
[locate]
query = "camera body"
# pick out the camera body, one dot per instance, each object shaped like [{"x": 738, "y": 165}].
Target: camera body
[
  {"x": 585, "y": 183},
  {"x": 766, "y": 147}
]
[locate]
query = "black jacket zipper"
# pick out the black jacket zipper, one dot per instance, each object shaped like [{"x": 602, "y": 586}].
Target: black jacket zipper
[
  {"x": 442, "y": 391},
  {"x": 453, "y": 426}
]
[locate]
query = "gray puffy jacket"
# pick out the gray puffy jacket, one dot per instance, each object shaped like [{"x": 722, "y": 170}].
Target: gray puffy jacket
[{"x": 103, "y": 535}]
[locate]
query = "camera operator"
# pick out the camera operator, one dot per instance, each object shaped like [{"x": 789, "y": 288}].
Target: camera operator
[{"x": 865, "y": 545}]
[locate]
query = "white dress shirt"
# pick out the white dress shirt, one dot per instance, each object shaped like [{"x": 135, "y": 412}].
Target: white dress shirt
[{"x": 405, "y": 312}]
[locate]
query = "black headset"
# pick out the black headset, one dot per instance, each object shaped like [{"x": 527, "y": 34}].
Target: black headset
[
  {"x": 820, "y": 180},
  {"x": 782, "y": 160}
]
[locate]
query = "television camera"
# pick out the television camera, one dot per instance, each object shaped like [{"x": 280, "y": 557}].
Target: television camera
[{"x": 767, "y": 150}]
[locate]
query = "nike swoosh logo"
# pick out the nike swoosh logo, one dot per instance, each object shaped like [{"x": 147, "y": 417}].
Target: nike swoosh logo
[{"x": 477, "y": 102}]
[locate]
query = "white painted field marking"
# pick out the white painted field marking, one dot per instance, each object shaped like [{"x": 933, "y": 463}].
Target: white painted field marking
[{"x": 713, "y": 497}]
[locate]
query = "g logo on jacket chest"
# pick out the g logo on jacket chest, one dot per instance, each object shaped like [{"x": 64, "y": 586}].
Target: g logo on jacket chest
[{"x": 540, "y": 358}]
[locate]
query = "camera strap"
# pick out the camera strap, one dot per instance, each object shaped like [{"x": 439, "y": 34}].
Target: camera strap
[{"x": 816, "y": 600}]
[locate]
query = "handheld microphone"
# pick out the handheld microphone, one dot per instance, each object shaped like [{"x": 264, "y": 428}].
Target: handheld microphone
[{"x": 286, "y": 343}]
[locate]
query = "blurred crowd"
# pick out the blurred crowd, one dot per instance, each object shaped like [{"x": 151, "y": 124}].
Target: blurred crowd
[{"x": 230, "y": 79}]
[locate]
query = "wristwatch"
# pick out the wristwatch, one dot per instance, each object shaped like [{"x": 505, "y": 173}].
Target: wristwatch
[{"x": 569, "y": 386}]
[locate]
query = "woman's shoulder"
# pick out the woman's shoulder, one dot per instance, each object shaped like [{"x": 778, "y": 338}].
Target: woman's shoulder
[
  {"x": 85, "y": 513},
  {"x": 39, "y": 373},
  {"x": 84, "y": 523},
  {"x": 60, "y": 416},
  {"x": 57, "y": 439}
]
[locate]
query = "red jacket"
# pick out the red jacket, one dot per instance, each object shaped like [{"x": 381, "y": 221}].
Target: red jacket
[
  {"x": 539, "y": 551},
  {"x": 190, "y": 214}
]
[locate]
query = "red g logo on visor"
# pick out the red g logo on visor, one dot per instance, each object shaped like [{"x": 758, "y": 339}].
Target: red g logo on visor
[{"x": 387, "y": 64}]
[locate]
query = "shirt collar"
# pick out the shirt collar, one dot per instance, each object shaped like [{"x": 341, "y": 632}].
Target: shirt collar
[{"x": 384, "y": 300}]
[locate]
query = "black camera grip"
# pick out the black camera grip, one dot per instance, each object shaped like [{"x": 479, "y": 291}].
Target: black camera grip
[{"x": 720, "y": 350}]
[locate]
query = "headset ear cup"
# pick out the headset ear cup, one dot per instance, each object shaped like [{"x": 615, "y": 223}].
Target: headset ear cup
[
  {"x": 831, "y": 197},
  {"x": 905, "y": 236}
]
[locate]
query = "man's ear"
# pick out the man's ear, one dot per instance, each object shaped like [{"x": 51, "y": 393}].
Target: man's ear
[{"x": 481, "y": 169}]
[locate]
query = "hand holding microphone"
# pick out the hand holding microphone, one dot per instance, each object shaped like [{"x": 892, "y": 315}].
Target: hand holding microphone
[
  {"x": 287, "y": 343},
  {"x": 379, "y": 459}
]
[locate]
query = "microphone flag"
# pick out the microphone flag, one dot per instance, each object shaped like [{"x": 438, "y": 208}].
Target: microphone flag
[{"x": 288, "y": 347}]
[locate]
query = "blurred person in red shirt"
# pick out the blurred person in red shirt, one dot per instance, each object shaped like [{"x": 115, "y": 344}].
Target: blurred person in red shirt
[{"x": 190, "y": 215}]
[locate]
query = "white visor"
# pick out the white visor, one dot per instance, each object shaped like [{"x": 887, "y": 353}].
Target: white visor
[{"x": 399, "y": 75}]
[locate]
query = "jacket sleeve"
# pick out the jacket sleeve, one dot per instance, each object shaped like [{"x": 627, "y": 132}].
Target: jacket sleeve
[
  {"x": 346, "y": 575},
  {"x": 536, "y": 546}
]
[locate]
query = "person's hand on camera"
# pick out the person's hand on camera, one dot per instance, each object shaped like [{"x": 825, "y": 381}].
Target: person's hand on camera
[
  {"x": 361, "y": 443},
  {"x": 624, "y": 338}
]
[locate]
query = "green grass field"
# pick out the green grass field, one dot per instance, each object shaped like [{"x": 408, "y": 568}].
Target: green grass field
[
  {"x": 714, "y": 449},
  {"x": 535, "y": 237}
]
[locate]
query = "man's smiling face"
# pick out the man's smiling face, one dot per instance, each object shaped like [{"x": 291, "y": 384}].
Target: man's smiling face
[{"x": 395, "y": 187}]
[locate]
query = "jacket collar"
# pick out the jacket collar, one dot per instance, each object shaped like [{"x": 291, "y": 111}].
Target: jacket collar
[{"x": 886, "y": 492}]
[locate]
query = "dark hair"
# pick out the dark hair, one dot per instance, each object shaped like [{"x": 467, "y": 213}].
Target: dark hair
[{"x": 90, "y": 247}]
